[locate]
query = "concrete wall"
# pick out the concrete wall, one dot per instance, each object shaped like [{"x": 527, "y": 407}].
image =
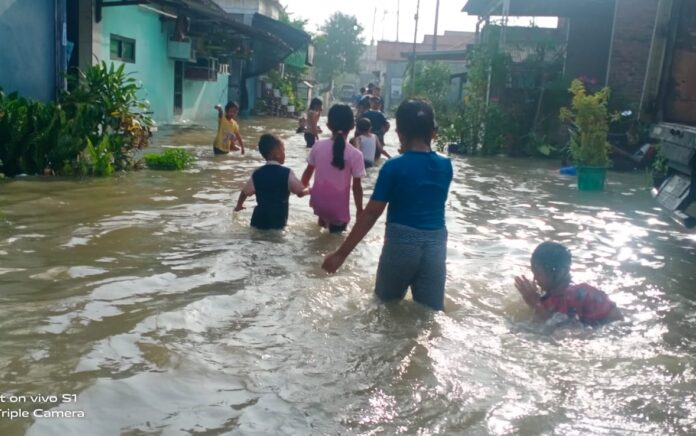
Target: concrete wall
[
  {"x": 152, "y": 65},
  {"x": 27, "y": 32},
  {"x": 154, "y": 68},
  {"x": 201, "y": 97},
  {"x": 633, "y": 35}
]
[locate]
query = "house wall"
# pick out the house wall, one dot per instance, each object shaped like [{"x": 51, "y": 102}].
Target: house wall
[
  {"x": 152, "y": 65},
  {"x": 201, "y": 97},
  {"x": 27, "y": 32},
  {"x": 589, "y": 42},
  {"x": 633, "y": 35}
]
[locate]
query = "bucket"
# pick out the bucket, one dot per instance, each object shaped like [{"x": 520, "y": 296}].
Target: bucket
[{"x": 591, "y": 178}]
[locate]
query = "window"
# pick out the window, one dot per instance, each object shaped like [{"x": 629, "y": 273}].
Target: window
[{"x": 122, "y": 49}]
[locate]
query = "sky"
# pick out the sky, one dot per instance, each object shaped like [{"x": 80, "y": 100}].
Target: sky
[{"x": 451, "y": 16}]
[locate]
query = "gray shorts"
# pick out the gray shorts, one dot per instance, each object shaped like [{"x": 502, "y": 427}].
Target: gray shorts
[{"x": 416, "y": 259}]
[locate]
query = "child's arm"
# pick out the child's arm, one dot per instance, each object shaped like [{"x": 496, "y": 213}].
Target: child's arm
[
  {"x": 219, "y": 109},
  {"x": 240, "y": 202},
  {"x": 365, "y": 222},
  {"x": 358, "y": 195},
  {"x": 239, "y": 139},
  {"x": 307, "y": 175},
  {"x": 295, "y": 186},
  {"x": 248, "y": 191},
  {"x": 381, "y": 149},
  {"x": 530, "y": 295}
]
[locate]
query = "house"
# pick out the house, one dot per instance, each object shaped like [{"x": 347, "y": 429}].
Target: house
[
  {"x": 451, "y": 48},
  {"x": 31, "y": 56},
  {"x": 645, "y": 51},
  {"x": 293, "y": 48},
  {"x": 188, "y": 54}
]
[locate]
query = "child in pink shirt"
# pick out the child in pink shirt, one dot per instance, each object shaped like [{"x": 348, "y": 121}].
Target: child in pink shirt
[{"x": 336, "y": 164}]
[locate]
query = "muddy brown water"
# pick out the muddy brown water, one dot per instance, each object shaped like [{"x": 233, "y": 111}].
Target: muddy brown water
[{"x": 163, "y": 313}]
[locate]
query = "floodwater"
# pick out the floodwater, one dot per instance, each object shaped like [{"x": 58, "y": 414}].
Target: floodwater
[{"x": 162, "y": 312}]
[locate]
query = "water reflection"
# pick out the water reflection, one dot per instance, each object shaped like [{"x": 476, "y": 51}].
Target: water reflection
[{"x": 166, "y": 313}]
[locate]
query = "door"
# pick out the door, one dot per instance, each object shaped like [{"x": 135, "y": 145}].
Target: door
[
  {"x": 680, "y": 102},
  {"x": 178, "y": 87}
]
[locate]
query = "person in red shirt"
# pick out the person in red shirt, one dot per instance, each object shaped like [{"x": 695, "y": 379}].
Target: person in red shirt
[{"x": 551, "y": 269}]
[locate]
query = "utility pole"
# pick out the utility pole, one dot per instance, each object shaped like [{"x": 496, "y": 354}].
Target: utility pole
[
  {"x": 374, "y": 17},
  {"x": 398, "y": 12},
  {"x": 437, "y": 16},
  {"x": 413, "y": 53}
]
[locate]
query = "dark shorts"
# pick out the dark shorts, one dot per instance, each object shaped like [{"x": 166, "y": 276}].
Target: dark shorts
[
  {"x": 369, "y": 164},
  {"x": 416, "y": 259},
  {"x": 337, "y": 228},
  {"x": 217, "y": 151},
  {"x": 310, "y": 139}
]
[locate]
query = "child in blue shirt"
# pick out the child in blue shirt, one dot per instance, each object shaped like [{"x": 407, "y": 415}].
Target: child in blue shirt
[{"x": 415, "y": 186}]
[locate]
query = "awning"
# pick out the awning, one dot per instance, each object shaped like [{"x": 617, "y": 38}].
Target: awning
[{"x": 268, "y": 54}]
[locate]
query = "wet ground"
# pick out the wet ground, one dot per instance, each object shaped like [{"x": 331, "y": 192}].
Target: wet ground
[{"x": 164, "y": 313}]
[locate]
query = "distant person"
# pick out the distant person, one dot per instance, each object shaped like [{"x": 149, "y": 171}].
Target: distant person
[
  {"x": 228, "y": 135},
  {"x": 313, "y": 113},
  {"x": 551, "y": 269},
  {"x": 380, "y": 125},
  {"x": 362, "y": 106},
  {"x": 272, "y": 184},
  {"x": 368, "y": 143},
  {"x": 338, "y": 166},
  {"x": 377, "y": 92},
  {"x": 415, "y": 185},
  {"x": 301, "y": 125},
  {"x": 356, "y": 98}
]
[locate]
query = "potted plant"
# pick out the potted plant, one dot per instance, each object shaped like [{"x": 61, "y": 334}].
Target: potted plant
[{"x": 589, "y": 147}]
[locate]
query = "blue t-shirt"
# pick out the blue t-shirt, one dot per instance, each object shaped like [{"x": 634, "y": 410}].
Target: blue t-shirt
[{"x": 415, "y": 185}]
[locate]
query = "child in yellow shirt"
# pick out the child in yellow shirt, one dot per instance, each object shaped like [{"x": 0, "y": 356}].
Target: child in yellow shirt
[{"x": 228, "y": 130}]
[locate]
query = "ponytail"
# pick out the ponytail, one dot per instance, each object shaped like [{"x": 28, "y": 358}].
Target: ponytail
[
  {"x": 341, "y": 122},
  {"x": 339, "y": 148}
]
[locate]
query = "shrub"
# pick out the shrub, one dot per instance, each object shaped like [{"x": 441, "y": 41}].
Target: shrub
[
  {"x": 171, "y": 159},
  {"x": 100, "y": 107},
  {"x": 589, "y": 114}
]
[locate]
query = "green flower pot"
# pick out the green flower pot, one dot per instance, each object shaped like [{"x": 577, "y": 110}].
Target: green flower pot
[{"x": 591, "y": 178}]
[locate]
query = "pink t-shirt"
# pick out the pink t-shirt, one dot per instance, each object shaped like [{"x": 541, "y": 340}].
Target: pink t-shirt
[{"x": 330, "y": 197}]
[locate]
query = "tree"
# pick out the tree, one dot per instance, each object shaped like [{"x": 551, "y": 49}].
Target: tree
[
  {"x": 432, "y": 82},
  {"x": 338, "y": 47}
]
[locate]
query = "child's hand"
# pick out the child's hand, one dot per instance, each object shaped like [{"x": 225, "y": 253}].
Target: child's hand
[
  {"x": 333, "y": 262},
  {"x": 239, "y": 208},
  {"x": 528, "y": 290},
  {"x": 304, "y": 192}
]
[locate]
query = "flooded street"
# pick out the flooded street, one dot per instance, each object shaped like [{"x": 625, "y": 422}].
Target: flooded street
[{"x": 164, "y": 313}]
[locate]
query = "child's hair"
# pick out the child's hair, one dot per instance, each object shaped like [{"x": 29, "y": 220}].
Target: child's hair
[
  {"x": 415, "y": 119},
  {"x": 341, "y": 122},
  {"x": 362, "y": 90},
  {"x": 315, "y": 104},
  {"x": 230, "y": 105},
  {"x": 375, "y": 100},
  {"x": 553, "y": 258},
  {"x": 267, "y": 143},
  {"x": 363, "y": 126}
]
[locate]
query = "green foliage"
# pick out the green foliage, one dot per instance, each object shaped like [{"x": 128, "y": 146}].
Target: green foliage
[
  {"x": 338, "y": 47},
  {"x": 171, "y": 159},
  {"x": 478, "y": 127},
  {"x": 589, "y": 113},
  {"x": 432, "y": 81},
  {"x": 660, "y": 164},
  {"x": 100, "y": 107}
]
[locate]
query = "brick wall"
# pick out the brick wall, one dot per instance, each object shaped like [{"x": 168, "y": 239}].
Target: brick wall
[{"x": 633, "y": 33}]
